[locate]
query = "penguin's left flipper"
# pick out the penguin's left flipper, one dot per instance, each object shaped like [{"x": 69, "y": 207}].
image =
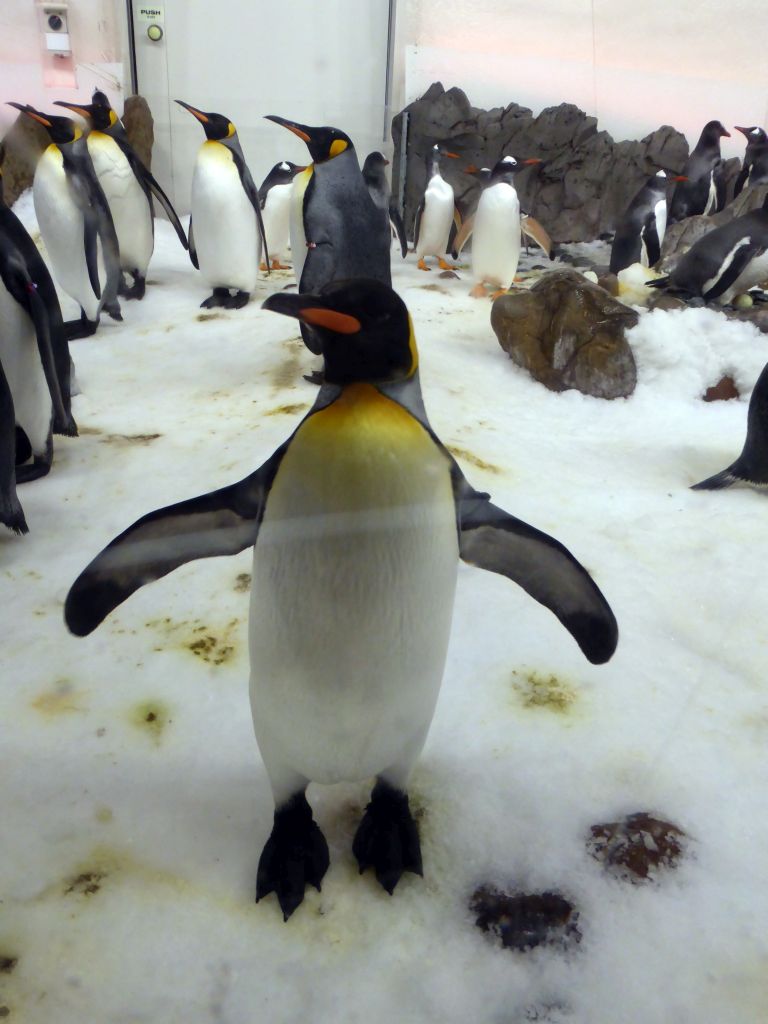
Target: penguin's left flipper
[
  {"x": 11, "y": 512},
  {"x": 533, "y": 230},
  {"x": 417, "y": 224},
  {"x": 222, "y": 522},
  {"x": 192, "y": 248},
  {"x": 454, "y": 232},
  {"x": 249, "y": 187},
  {"x": 492, "y": 539},
  {"x": 150, "y": 185},
  {"x": 742, "y": 257},
  {"x": 726, "y": 478}
]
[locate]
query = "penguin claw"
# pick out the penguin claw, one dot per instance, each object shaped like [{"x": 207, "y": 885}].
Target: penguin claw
[
  {"x": 387, "y": 838},
  {"x": 295, "y": 855}
]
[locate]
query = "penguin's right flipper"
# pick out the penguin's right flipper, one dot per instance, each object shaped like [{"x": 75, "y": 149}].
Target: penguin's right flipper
[
  {"x": 249, "y": 186},
  {"x": 90, "y": 240},
  {"x": 11, "y": 512},
  {"x": 222, "y": 522},
  {"x": 149, "y": 183},
  {"x": 192, "y": 249},
  {"x": 532, "y": 229},
  {"x": 492, "y": 539},
  {"x": 396, "y": 222}
]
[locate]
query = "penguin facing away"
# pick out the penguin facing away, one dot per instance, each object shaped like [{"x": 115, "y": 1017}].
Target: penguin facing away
[
  {"x": 640, "y": 231},
  {"x": 702, "y": 185},
  {"x": 226, "y": 230},
  {"x": 358, "y": 520},
  {"x": 74, "y": 217},
  {"x": 757, "y": 150},
  {"x": 725, "y": 262},
  {"x": 436, "y": 214},
  {"x": 751, "y": 467},
  {"x": 376, "y": 179},
  {"x": 275, "y": 203},
  {"x": 129, "y": 188}
]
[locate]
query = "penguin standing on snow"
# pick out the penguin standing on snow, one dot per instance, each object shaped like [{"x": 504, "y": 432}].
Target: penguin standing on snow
[
  {"x": 436, "y": 214},
  {"x": 701, "y": 188},
  {"x": 754, "y": 167},
  {"x": 751, "y": 467},
  {"x": 640, "y": 232},
  {"x": 74, "y": 217},
  {"x": 275, "y": 203},
  {"x": 358, "y": 519},
  {"x": 376, "y": 179},
  {"x": 226, "y": 230},
  {"x": 129, "y": 188},
  {"x": 725, "y": 262}
]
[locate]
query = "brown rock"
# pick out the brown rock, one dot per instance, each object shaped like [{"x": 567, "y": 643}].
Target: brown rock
[
  {"x": 610, "y": 283},
  {"x": 569, "y": 333},
  {"x": 723, "y": 391},
  {"x": 525, "y": 920},
  {"x": 636, "y": 847},
  {"x": 658, "y": 299},
  {"x": 24, "y": 141},
  {"x": 139, "y": 126}
]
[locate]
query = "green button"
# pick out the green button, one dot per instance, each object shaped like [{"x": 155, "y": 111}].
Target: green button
[{"x": 155, "y": 33}]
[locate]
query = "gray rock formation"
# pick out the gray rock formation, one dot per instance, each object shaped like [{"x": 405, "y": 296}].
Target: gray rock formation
[
  {"x": 24, "y": 141},
  {"x": 568, "y": 333},
  {"x": 139, "y": 126},
  {"x": 585, "y": 184}
]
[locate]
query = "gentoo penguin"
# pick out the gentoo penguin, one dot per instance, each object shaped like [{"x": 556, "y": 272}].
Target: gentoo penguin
[
  {"x": 358, "y": 519},
  {"x": 376, "y": 179},
  {"x": 275, "y": 203},
  {"x": 701, "y": 188},
  {"x": 640, "y": 231},
  {"x": 436, "y": 213},
  {"x": 754, "y": 168},
  {"x": 725, "y": 262},
  {"x": 751, "y": 467},
  {"x": 73, "y": 215},
  {"x": 16, "y": 235},
  {"x": 496, "y": 227},
  {"x": 340, "y": 232},
  {"x": 226, "y": 231},
  {"x": 129, "y": 188}
]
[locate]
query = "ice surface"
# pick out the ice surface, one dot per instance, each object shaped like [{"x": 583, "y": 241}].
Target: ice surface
[{"x": 135, "y": 804}]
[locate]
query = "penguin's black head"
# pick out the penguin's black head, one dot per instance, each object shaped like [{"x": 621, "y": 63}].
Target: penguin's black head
[
  {"x": 753, "y": 134},
  {"x": 508, "y": 166},
  {"x": 712, "y": 132},
  {"x": 373, "y": 168},
  {"x": 364, "y": 329},
  {"x": 216, "y": 126},
  {"x": 323, "y": 143},
  {"x": 60, "y": 129},
  {"x": 98, "y": 116}
]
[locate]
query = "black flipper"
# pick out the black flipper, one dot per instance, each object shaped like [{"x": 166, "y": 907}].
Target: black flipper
[
  {"x": 726, "y": 478},
  {"x": 192, "y": 249},
  {"x": 253, "y": 195},
  {"x": 11, "y": 512},
  {"x": 492, "y": 539},
  {"x": 90, "y": 244},
  {"x": 397, "y": 224},
  {"x": 222, "y": 522},
  {"x": 651, "y": 238},
  {"x": 742, "y": 257},
  {"x": 417, "y": 224},
  {"x": 148, "y": 182}
]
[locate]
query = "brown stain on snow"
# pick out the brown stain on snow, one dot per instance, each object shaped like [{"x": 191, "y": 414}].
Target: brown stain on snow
[
  {"x": 243, "y": 582},
  {"x": 474, "y": 460},
  {"x": 288, "y": 373},
  {"x": 213, "y": 644},
  {"x": 544, "y": 692},
  {"x": 287, "y": 410},
  {"x": 151, "y": 717},
  {"x": 61, "y": 699}
]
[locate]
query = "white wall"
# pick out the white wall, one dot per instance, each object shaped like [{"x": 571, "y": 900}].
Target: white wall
[{"x": 634, "y": 64}]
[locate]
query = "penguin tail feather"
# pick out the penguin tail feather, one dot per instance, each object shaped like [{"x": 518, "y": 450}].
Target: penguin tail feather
[
  {"x": 12, "y": 516},
  {"x": 717, "y": 482}
]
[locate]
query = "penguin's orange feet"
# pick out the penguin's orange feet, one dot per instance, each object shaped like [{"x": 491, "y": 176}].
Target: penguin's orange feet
[
  {"x": 263, "y": 266},
  {"x": 387, "y": 838},
  {"x": 478, "y": 292},
  {"x": 295, "y": 855},
  {"x": 446, "y": 266},
  {"x": 277, "y": 265},
  {"x": 422, "y": 265}
]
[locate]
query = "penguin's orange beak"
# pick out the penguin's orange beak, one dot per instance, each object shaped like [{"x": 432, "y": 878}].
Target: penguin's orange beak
[
  {"x": 680, "y": 177},
  {"x": 532, "y": 160},
  {"x": 82, "y": 111},
  {"x": 31, "y": 112},
  {"x": 203, "y": 118},
  {"x": 292, "y": 126}
]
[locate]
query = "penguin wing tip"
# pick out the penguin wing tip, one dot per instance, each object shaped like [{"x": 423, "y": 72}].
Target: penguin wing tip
[{"x": 596, "y": 634}]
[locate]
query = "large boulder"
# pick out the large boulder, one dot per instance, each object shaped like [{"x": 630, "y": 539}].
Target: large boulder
[
  {"x": 568, "y": 333},
  {"x": 139, "y": 127},
  {"x": 584, "y": 185},
  {"x": 22, "y": 146}
]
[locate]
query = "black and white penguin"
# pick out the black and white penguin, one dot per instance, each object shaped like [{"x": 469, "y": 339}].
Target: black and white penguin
[
  {"x": 75, "y": 222},
  {"x": 640, "y": 231},
  {"x": 701, "y": 188},
  {"x": 226, "y": 230},
  {"x": 359, "y": 520},
  {"x": 725, "y": 262},
  {"x": 376, "y": 179},
  {"x": 436, "y": 214},
  {"x": 751, "y": 467},
  {"x": 754, "y": 167},
  {"x": 275, "y": 202},
  {"x": 129, "y": 188}
]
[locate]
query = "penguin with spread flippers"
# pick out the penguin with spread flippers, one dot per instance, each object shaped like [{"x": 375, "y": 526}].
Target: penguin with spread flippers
[
  {"x": 640, "y": 231},
  {"x": 723, "y": 263},
  {"x": 437, "y": 217},
  {"x": 275, "y": 203},
  {"x": 751, "y": 467},
  {"x": 376, "y": 179},
  {"x": 129, "y": 188},
  {"x": 702, "y": 185},
  {"x": 226, "y": 230},
  {"x": 754, "y": 167},
  {"x": 75, "y": 222},
  {"x": 359, "y": 520}
]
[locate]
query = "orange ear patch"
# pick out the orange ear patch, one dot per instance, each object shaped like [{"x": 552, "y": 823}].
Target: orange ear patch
[{"x": 341, "y": 323}]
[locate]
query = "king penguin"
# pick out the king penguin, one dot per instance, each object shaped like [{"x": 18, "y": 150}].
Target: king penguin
[
  {"x": 754, "y": 167},
  {"x": 640, "y": 231},
  {"x": 275, "y": 203},
  {"x": 725, "y": 262},
  {"x": 376, "y": 179},
  {"x": 751, "y": 467},
  {"x": 74, "y": 217},
  {"x": 436, "y": 215},
  {"x": 701, "y": 188},
  {"x": 358, "y": 521},
  {"x": 226, "y": 230},
  {"x": 129, "y": 188}
]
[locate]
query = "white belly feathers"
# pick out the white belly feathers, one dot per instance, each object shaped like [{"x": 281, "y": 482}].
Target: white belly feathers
[{"x": 127, "y": 201}]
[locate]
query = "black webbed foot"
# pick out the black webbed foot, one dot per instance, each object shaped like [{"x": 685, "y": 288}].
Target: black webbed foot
[
  {"x": 238, "y": 300},
  {"x": 220, "y": 297},
  {"x": 387, "y": 839},
  {"x": 82, "y": 328},
  {"x": 135, "y": 290},
  {"x": 295, "y": 855}
]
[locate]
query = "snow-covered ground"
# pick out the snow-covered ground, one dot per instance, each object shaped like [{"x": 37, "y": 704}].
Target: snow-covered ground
[{"x": 135, "y": 804}]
